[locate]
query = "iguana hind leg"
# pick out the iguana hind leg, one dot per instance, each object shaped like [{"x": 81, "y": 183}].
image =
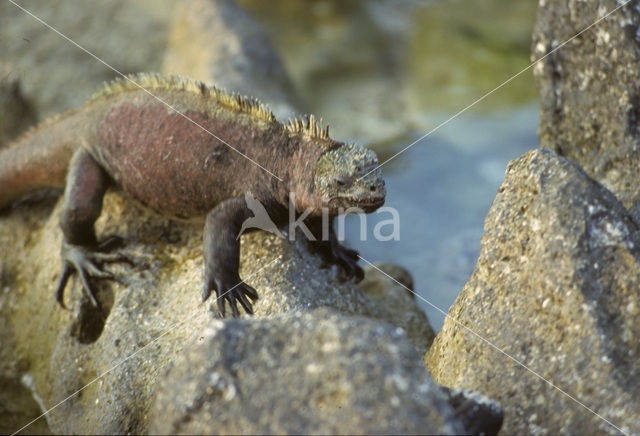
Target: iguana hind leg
[{"x": 80, "y": 252}]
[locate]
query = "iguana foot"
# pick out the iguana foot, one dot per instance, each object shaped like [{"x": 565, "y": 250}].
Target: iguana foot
[
  {"x": 229, "y": 287},
  {"x": 334, "y": 253},
  {"x": 87, "y": 262}
]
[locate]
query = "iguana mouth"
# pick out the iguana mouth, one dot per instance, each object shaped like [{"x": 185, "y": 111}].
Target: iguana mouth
[{"x": 366, "y": 204}]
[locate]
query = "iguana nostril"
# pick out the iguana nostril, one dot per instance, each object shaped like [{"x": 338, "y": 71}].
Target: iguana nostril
[
  {"x": 372, "y": 188},
  {"x": 342, "y": 181}
]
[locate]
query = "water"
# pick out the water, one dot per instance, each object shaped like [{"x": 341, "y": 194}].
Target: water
[{"x": 442, "y": 189}]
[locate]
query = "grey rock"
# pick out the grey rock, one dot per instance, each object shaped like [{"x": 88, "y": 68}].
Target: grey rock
[
  {"x": 55, "y": 75},
  {"x": 589, "y": 89},
  {"x": 557, "y": 287},
  {"x": 219, "y": 43},
  {"x": 479, "y": 414},
  {"x": 319, "y": 372},
  {"x": 395, "y": 304},
  {"x": 16, "y": 112}
]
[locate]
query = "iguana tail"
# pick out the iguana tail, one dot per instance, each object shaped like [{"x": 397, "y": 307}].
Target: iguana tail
[{"x": 36, "y": 160}]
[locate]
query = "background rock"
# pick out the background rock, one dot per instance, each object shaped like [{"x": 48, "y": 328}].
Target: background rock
[
  {"x": 16, "y": 112},
  {"x": 400, "y": 306},
  {"x": 55, "y": 75},
  {"x": 219, "y": 43},
  {"x": 557, "y": 287},
  {"x": 589, "y": 89},
  {"x": 351, "y": 53},
  {"x": 319, "y": 372}
]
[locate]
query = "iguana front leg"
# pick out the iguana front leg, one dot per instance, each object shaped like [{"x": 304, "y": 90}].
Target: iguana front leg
[
  {"x": 222, "y": 256},
  {"x": 86, "y": 185},
  {"x": 335, "y": 253}
]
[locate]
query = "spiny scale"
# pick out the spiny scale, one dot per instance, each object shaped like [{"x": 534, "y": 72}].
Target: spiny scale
[{"x": 307, "y": 124}]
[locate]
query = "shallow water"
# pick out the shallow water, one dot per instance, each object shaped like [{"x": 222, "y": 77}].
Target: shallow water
[{"x": 383, "y": 73}]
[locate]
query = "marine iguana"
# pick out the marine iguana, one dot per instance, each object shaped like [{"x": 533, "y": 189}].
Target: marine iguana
[{"x": 123, "y": 137}]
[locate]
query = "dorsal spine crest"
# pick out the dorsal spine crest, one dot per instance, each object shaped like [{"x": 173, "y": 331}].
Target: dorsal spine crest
[{"x": 307, "y": 124}]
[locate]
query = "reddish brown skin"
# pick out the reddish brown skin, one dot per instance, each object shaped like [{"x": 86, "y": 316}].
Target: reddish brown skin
[
  {"x": 199, "y": 170},
  {"x": 130, "y": 141}
]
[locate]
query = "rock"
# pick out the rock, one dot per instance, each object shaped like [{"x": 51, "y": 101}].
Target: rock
[
  {"x": 479, "y": 414},
  {"x": 589, "y": 90},
  {"x": 16, "y": 112},
  {"x": 399, "y": 305},
  {"x": 62, "y": 350},
  {"x": 557, "y": 287},
  {"x": 17, "y": 407},
  {"x": 55, "y": 75},
  {"x": 319, "y": 372},
  {"x": 221, "y": 44}
]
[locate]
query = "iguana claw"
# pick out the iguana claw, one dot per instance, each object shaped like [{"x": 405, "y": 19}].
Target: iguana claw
[
  {"x": 233, "y": 290},
  {"x": 334, "y": 253},
  {"x": 84, "y": 261}
]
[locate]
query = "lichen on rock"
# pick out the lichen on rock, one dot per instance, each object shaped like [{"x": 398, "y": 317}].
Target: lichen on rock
[{"x": 589, "y": 89}]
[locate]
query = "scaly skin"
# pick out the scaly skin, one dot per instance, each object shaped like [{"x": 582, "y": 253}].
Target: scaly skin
[{"x": 127, "y": 139}]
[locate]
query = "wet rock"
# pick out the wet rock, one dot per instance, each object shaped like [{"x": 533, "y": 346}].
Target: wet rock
[
  {"x": 221, "y": 44},
  {"x": 556, "y": 287},
  {"x": 400, "y": 306},
  {"x": 589, "y": 89},
  {"x": 319, "y": 372}
]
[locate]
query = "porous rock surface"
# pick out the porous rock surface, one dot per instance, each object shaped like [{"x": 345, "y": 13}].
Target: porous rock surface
[
  {"x": 557, "y": 287},
  {"x": 384, "y": 285},
  {"x": 319, "y": 372},
  {"x": 59, "y": 351},
  {"x": 589, "y": 89}
]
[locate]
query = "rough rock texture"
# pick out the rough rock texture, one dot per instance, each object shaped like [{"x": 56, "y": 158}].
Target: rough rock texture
[
  {"x": 319, "y": 372},
  {"x": 589, "y": 89},
  {"x": 479, "y": 414},
  {"x": 62, "y": 350},
  {"x": 557, "y": 286},
  {"x": 399, "y": 305},
  {"x": 221, "y": 44}
]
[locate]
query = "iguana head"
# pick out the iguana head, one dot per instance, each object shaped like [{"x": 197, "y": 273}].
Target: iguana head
[{"x": 343, "y": 178}]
